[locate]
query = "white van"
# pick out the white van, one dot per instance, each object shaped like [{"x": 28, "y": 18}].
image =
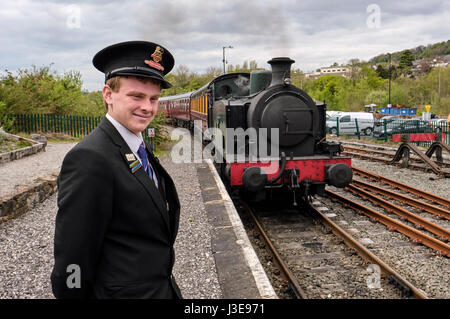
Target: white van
[
  {"x": 333, "y": 113},
  {"x": 345, "y": 123}
]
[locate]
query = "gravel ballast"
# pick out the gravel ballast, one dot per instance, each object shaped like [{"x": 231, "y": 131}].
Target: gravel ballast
[{"x": 422, "y": 266}]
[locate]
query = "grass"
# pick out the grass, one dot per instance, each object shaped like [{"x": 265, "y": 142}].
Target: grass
[
  {"x": 9, "y": 144},
  {"x": 54, "y": 137}
]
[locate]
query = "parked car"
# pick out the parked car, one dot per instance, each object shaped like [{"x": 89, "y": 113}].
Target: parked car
[
  {"x": 386, "y": 125},
  {"x": 350, "y": 123},
  {"x": 438, "y": 125},
  {"x": 415, "y": 126}
]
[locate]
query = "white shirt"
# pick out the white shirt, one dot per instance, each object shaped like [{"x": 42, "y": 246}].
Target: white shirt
[{"x": 132, "y": 141}]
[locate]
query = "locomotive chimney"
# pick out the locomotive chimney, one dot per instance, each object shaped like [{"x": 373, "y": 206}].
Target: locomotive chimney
[{"x": 281, "y": 71}]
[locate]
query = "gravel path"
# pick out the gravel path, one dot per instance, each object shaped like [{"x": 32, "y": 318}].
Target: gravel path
[
  {"x": 26, "y": 242},
  {"x": 25, "y": 170},
  {"x": 26, "y": 247}
]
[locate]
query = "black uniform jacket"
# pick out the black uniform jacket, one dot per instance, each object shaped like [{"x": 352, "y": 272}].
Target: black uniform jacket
[{"x": 115, "y": 225}]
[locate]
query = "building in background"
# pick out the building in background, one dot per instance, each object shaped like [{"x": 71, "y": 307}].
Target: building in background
[{"x": 335, "y": 70}]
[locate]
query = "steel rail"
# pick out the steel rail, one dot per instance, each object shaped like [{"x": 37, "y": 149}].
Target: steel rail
[
  {"x": 440, "y": 200},
  {"x": 293, "y": 283},
  {"x": 387, "y": 161},
  {"x": 365, "y": 151},
  {"x": 435, "y": 210},
  {"x": 365, "y": 156},
  {"x": 366, "y": 254},
  {"x": 392, "y": 224},
  {"x": 388, "y": 153},
  {"x": 420, "y": 222}
]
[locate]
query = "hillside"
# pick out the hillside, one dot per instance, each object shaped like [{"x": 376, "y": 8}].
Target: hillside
[{"x": 420, "y": 52}]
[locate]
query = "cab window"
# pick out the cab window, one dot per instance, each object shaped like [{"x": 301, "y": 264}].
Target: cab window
[{"x": 345, "y": 119}]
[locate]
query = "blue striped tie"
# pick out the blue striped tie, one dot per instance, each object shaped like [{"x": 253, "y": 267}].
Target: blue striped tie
[{"x": 144, "y": 159}]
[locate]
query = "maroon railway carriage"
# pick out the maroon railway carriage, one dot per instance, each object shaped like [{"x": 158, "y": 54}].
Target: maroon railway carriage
[{"x": 177, "y": 108}]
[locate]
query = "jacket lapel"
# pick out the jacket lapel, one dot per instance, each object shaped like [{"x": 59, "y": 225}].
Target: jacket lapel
[{"x": 134, "y": 169}]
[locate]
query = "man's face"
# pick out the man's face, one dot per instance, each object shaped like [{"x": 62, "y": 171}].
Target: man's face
[{"x": 134, "y": 105}]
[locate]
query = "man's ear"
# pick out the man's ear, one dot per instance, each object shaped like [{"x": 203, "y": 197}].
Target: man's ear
[{"x": 107, "y": 94}]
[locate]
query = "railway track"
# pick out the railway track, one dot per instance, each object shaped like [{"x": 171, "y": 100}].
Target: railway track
[
  {"x": 389, "y": 154},
  {"x": 313, "y": 262},
  {"x": 416, "y": 235},
  {"x": 387, "y": 157},
  {"x": 433, "y": 235},
  {"x": 404, "y": 187},
  {"x": 318, "y": 259},
  {"x": 432, "y": 209}
]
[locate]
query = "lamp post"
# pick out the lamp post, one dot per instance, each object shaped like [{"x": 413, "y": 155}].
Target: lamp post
[
  {"x": 223, "y": 60},
  {"x": 439, "y": 85},
  {"x": 389, "y": 79}
]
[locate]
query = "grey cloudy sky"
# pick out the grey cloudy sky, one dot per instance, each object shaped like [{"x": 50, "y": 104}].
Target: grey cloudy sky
[{"x": 314, "y": 33}]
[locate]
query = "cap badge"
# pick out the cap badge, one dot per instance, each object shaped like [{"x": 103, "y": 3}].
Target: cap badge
[{"x": 157, "y": 57}]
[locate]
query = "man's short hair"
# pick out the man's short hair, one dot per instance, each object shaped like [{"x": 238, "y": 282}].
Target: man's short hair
[{"x": 114, "y": 84}]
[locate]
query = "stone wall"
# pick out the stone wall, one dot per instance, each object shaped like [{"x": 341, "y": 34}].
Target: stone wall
[
  {"x": 16, "y": 154},
  {"x": 27, "y": 197}
]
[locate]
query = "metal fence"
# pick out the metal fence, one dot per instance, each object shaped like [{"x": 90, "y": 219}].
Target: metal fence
[
  {"x": 384, "y": 128},
  {"x": 72, "y": 125},
  {"x": 75, "y": 126}
]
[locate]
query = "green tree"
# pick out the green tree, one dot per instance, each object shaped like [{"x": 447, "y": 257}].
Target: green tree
[
  {"x": 40, "y": 90},
  {"x": 330, "y": 88},
  {"x": 406, "y": 61},
  {"x": 378, "y": 97},
  {"x": 369, "y": 77},
  {"x": 382, "y": 72},
  {"x": 6, "y": 121},
  {"x": 353, "y": 65}
]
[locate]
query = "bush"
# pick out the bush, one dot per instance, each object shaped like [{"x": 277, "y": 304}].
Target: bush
[
  {"x": 3, "y": 135},
  {"x": 40, "y": 90},
  {"x": 6, "y": 123}
]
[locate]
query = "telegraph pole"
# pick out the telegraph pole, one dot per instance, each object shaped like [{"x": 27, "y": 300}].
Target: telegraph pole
[{"x": 223, "y": 60}]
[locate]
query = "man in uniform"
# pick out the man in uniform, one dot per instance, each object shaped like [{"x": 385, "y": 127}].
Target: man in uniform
[{"x": 118, "y": 209}]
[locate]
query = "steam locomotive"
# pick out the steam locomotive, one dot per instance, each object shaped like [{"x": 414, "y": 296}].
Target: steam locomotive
[{"x": 258, "y": 111}]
